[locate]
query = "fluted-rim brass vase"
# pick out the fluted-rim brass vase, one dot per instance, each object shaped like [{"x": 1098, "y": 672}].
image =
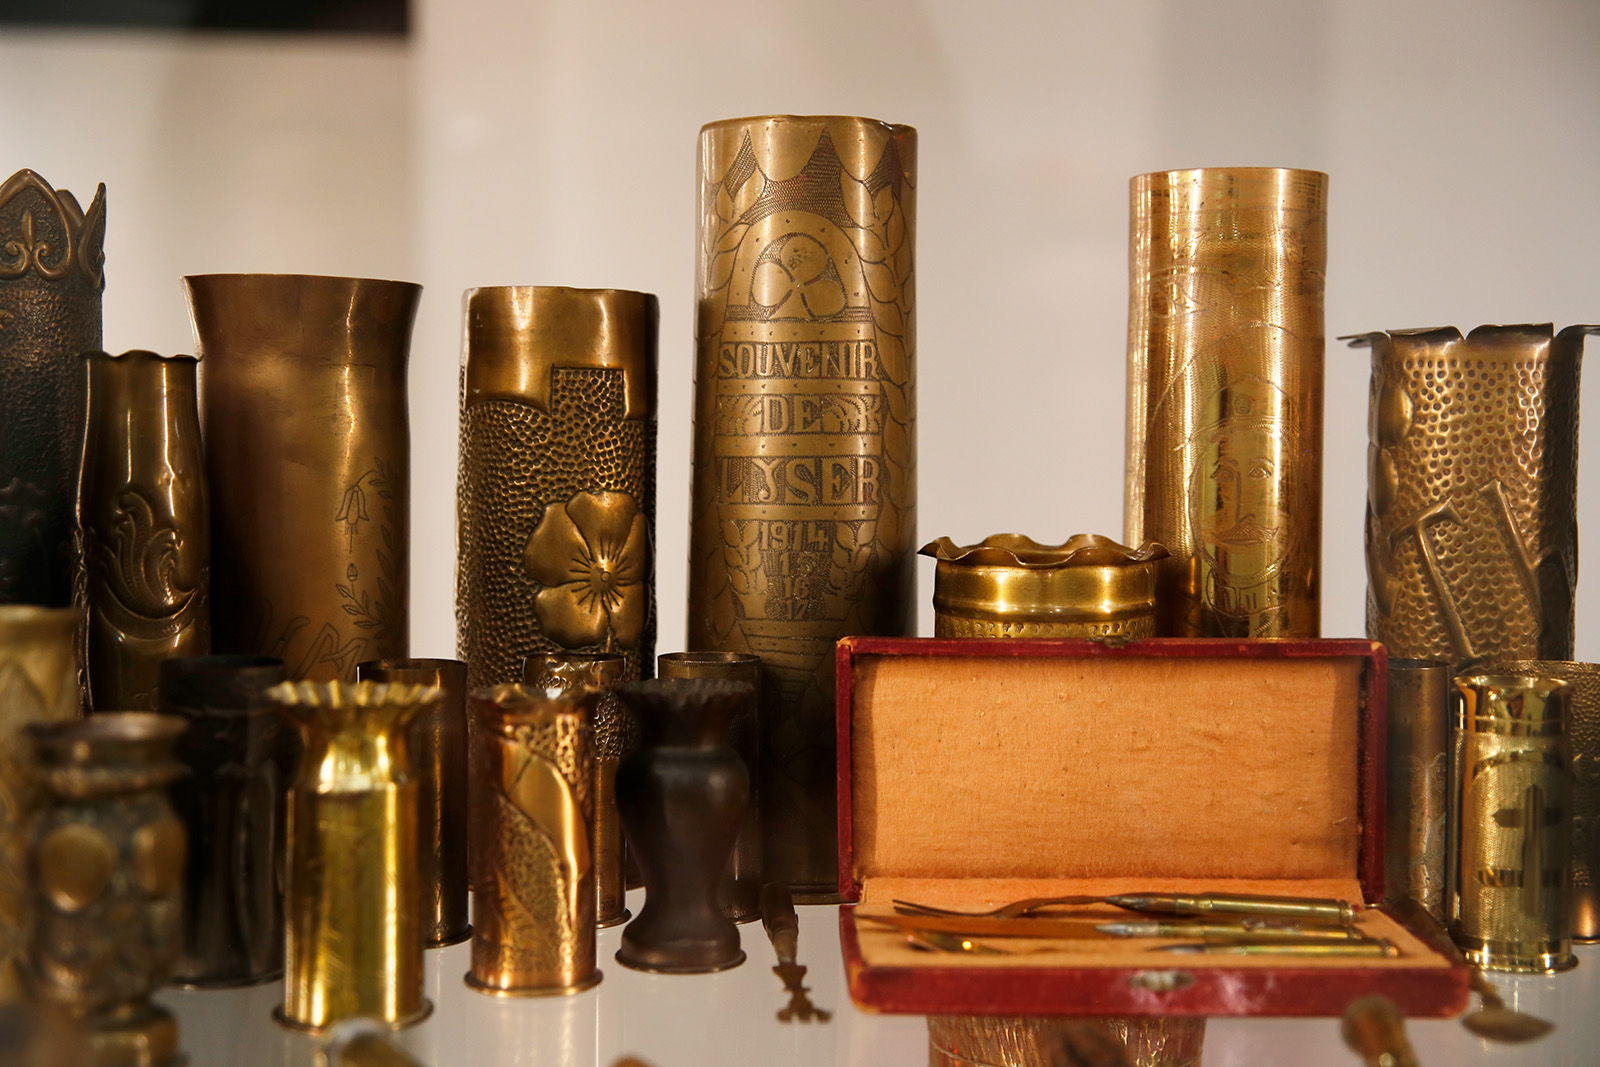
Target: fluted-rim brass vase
[
  {"x": 144, "y": 525},
  {"x": 308, "y": 451},
  {"x": 803, "y": 521}
]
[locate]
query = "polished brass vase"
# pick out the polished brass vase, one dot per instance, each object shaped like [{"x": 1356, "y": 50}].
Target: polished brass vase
[
  {"x": 1472, "y": 483},
  {"x": 308, "y": 452},
  {"x": 52, "y": 272},
  {"x": 1418, "y": 763},
  {"x": 803, "y": 521},
  {"x": 555, "y": 500},
  {"x": 144, "y": 525},
  {"x": 351, "y": 885},
  {"x": 1225, "y": 379}
]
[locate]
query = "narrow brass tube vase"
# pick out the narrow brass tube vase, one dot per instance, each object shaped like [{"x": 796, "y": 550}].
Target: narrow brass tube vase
[
  {"x": 351, "y": 887},
  {"x": 555, "y": 499},
  {"x": 52, "y": 274},
  {"x": 144, "y": 525},
  {"x": 533, "y": 766},
  {"x": 308, "y": 453},
  {"x": 1472, "y": 488},
  {"x": 1225, "y": 380},
  {"x": 1418, "y": 772},
  {"x": 803, "y": 519}
]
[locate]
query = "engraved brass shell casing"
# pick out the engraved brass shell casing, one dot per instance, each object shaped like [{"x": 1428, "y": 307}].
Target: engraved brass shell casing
[
  {"x": 51, "y": 281},
  {"x": 1510, "y": 805},
  {"x": 143, "y": 524},
  {"x": 351, "y": 886},
  {"x": 438, "y": 745},
  {"x": 1034, "y": 1041},
  {"x": 308, "y": 452},
  {"x": 555, "y": 499},
  {"x": 1225, "y": 381},
  {"x": 1472, "y": 482},
  {"x": 1009, "y": 585},
  {"x": 534, "y": 895},
  {"x": 803, "y": 522},
  {"x": 1418, "y": 771}
]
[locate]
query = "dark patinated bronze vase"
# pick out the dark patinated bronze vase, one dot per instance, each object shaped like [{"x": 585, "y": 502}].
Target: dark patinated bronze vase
[
  {"x": 51, "y": 277},
  {"x": 308, "y": 449},
  {"x": 143, "y": 524}
]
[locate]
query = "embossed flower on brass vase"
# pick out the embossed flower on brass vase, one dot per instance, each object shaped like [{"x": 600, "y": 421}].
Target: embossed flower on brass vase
[{"x": 591, "y": 554}]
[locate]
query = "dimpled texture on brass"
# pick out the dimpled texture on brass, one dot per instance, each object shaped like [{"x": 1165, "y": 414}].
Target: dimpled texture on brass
[
  {"x": 1472, "y": 466},
  {"x": 803, "y": 522},
  {"x": 51, "y": 277},
  {"x": 308, "y": 452},
  {"x": 143, "y": 524},
  {"x": 1225, "y": 383}
]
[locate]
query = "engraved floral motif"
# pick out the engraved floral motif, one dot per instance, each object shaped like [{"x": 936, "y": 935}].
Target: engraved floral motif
[{"x": 590, "y": 554}]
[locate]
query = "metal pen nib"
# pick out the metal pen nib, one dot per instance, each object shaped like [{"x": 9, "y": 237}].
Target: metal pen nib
[{"x": 1321, "y": 909}]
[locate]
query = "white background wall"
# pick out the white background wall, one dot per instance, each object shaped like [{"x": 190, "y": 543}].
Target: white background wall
[{"x": 554, "y": 143}]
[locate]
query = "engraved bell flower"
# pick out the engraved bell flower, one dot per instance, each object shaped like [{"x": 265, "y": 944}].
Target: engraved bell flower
[
  {"x": 797, "y": 279},
  {"x": 591, "y": 554}
]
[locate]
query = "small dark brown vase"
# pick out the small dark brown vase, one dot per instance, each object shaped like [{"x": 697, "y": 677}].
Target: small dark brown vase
[{"x": 682, "y": 796}]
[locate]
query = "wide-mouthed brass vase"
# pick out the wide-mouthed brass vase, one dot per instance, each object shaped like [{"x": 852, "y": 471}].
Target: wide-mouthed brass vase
[
  {"x": 555, "y": 498},
  {"x": 1472, "y": 483},
  {"x": 144, "y": 525},
  {"x": 1418, "y": 763},
  {"x": 52, "y": 272},
  {"x": 308, "y": 451},
  {"x": 1225, "y": 380},
  {"x": 351, "y": 886},
  {"x": 803, "y": 520}
]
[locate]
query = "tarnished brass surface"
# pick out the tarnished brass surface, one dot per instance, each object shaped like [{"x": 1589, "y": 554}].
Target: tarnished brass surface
[
  {"x": 1375, "y": 1030},
  {"x": 1225, "y": 367},
  {"x": 1472, "y": 528},
  {"x": 1582, "y": 729},
  {"x": 1047, "y": 1041},
  {"x": 1510, "y": 807},
  {"x": 1009, "y": 585},
  {"x": 51, "y": 277},
  {"x": 351, "y": 891},
  {"x": 438, "y": 747},
  {"x": 534, "y": 894},
  {"x": 143, "y": 524},
  {"x": 308, "y": 453},
  {"x": 803, "y": 521},
  {"x": 555, "y": 497},
  {"x": 1418, "y": 765}
]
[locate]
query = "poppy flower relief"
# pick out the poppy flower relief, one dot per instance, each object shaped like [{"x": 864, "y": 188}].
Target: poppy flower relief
[{"x": 591, "y": 554}]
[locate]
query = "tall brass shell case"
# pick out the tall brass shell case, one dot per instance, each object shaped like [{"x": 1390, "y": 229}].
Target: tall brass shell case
[
  {"x": 803, "y": 526},
  {"x": 1225, "y": 370},
  {"x": 52, "y": 272},
  {"x": 351, "y": 888},
  {"x": 1510, "y": 806},
  {"x": 308, "y": 450},
  {"x": 1418, "y": 764},
  {"x": 143, "y": 525},
  {"x": 556, "y": 495},
  {"x": 534, "y": 883},
  {"x": 1472, "y": 482}
]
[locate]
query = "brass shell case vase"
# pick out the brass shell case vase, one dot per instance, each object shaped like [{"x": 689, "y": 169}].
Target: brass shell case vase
[
  {"x": 1046, "y": 1041},
  {"x": 105, "y": 863},
  {"x": 438, "y": 747},
  {"x": 1225, "y": 383},
  {"x": 241, "y": 754},
  {"x": 1009, "y": 585},
  {"x": 52, "y": 273},
  {"x": 351, "y": 886},
  {"x": 533, "y": 763},
  {"x": 615, "y": 735},
  {"x": 1415, "y": 825},
  {"x": 555, "y": 500},
  {"x": 143, "y": 524},
  {"x": 308, "y": 452},
  {"x": 1472, "y": 483},
  {"x": 803, "y": 520}
]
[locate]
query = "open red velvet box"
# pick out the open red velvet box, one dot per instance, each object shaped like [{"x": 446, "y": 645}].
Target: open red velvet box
[{"x": 972, "y": 773}]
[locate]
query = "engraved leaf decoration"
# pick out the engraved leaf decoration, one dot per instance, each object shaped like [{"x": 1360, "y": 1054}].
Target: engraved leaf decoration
[
  {"x": 888, "y": 317},
  {"x": 897, "y": 443},
  {"x": 748, "y": 194},
  {"x": 537, "y": 788},
  {"x": 892, "y": 359},
  {"x": 869, "y": 246},
  {"x": 894, "y": 230},
  {"x": 883, "y": 203},
  {"x": 721, "y": 270},
  {"x": 856, "y": 201},
  {"x": 880, "y": 282},
  {"x": 524, "y": 848},
  {"x": 724, "y": 204}
]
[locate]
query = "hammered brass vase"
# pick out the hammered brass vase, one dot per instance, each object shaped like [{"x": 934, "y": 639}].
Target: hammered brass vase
[
  {"x": 143, "y": 524},
  {"x": 308, "y": 453},
  {"x": 1225, "y": 382},
  {"x": 52, "y": 273},
  {"x": 105, "y": 867},
  {"x": 1472, "y": 483},
  {"x": 555, "y": 498},
  {"x": 1415, "y": 825},
  {"x": 351, "y": 890},
  {"x": 803, "y": 519}
]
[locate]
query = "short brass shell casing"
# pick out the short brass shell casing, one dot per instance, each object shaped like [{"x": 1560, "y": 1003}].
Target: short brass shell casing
[{"x": 1418, "y": 764}]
